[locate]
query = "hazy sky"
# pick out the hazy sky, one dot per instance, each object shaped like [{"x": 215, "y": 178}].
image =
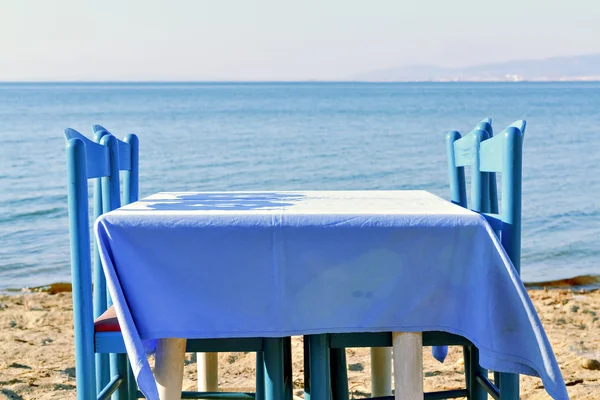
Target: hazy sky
[{"x": 279, "y": 40}]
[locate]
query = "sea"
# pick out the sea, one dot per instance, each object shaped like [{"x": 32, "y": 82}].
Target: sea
[{"x": 301, "y": 136}]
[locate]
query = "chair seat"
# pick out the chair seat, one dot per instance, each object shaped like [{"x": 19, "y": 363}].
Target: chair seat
[{"x": 107, "y": 322}]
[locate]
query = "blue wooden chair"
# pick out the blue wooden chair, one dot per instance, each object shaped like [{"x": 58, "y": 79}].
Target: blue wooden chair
[
  {"x": 484, "y": 155},
  {"x": 490, "y": 155},
  {"x": 128, "y": 163},
  {"x": 97, "y": 332},
  {"x": 99, "y": 161},
  {"x": 485, "y": 202},
  {"x": 458, "y": 196}
]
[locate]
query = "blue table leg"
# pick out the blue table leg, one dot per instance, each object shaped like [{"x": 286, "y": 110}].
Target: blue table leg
[
  {"x": 273, "y": 367},
  {"x": 319, "y": 367},
  {"x": 306, "y": 367},
  {"x": 509, "y": 386},
  {"x": 475, "y": 389},
  {"x": 497, "y": 379},
  {"x": 339, "y": 375},
  {"x": 260, "y": 376},
  {"x": 287, "y": 368},
  {"x": 467, "y": 363},
  {"x": 132, "y": 389}
]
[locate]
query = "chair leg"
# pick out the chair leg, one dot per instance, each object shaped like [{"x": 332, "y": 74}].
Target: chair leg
[
  {"x": 119, "y": 362},
  {"x": 476, "y": 391},
  {"x": 273, "y": 367},
  {"x": 320, "y": 367},
  {"x": 497, "y": 379},
  {"x": 509, "y": 386},
  {"x": 102, "y": 371},
  {"x": 306, "y": 345},
  {"x": 381, "y": 371},
  {"x": 260, "y": 376},
  {"x": 467, "y": 364},
  {"x": 132, "y": 387},
  {"x": 339, "y": 375},
  {"x": 287, "y": 368},
  {"x": 85, "y": 370},
  {"x": 113, "y": 370}
]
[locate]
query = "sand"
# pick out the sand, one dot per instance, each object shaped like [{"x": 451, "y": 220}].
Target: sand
[{"x": 37, "y": 357}]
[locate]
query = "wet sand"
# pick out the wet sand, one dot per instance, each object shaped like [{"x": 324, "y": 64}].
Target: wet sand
[{"x": 37, "y": 356}]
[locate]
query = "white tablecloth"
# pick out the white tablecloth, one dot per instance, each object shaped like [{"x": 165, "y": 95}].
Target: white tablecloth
[{"x": 271, "y": 264}]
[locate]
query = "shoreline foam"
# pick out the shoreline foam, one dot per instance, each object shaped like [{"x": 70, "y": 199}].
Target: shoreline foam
[{"x": 580, "y": 282}]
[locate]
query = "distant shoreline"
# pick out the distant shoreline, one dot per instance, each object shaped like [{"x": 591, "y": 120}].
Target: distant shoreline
[
  {"x": 283, "y": 82},
  {"x": 581, "y": 282}
]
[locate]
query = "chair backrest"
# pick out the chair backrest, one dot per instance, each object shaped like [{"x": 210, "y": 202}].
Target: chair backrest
[
  {"x": 127, "y": 155},
  {"x": 487, "y": 155},
  {"x": 458, "y": 187},
  {"x": 128, "y": 162},
  {"x": 87, "y": 160}
]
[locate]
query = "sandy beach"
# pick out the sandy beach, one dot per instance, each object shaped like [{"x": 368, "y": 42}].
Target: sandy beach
[{"x": 37, "y": 356}]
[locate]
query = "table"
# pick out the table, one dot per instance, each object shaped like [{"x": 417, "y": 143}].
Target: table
[{"x": 309, "y": 262}]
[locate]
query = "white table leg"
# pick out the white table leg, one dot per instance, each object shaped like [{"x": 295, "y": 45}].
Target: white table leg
[
  {"x": 381, "y": 371},
  {"x": 408, "y": 365},
  {"x": 208, "y": 372},
  {"x": 168, "y": 370}
]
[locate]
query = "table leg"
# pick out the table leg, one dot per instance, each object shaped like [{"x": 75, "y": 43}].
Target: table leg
[
  {"x": 509, "y": 386},
  {"x": 168, "y": 371},
  {"x": 306, "y": 343},
  {"x": 339, "y": 374},
  {"x": 320, "y": 383},
  {"x": 208, "y": 372},
  {"x": 273, "y": 367},
  {"x": 381, "y": 371},
  {"x": 260, "y": 376},
  {"x": 408, "y": 365}
]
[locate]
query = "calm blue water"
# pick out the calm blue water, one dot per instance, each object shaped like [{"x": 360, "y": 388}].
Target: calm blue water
[{"x": 299, "y": 136}]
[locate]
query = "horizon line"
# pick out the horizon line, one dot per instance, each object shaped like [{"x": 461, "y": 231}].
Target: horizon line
[{"x": 595, "y": 79}]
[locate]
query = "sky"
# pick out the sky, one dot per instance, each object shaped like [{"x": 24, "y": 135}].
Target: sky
[{"x": 197, "y": 40}]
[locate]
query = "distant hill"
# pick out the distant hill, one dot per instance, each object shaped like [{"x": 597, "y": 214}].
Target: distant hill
[{"x": 574, "y": 68}]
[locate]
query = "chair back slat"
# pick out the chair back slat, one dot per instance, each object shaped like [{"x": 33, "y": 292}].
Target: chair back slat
[
  {"x": 466, "y": 150},
  {"x": 491, "y": 154},
  {"x": 96, "y": 155},
  {"x": 124, "y": 156},
  {"x": 125, "y": 163},
  {"x": 493, "y": 150},
  {"x": 128, "y": 162}
]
